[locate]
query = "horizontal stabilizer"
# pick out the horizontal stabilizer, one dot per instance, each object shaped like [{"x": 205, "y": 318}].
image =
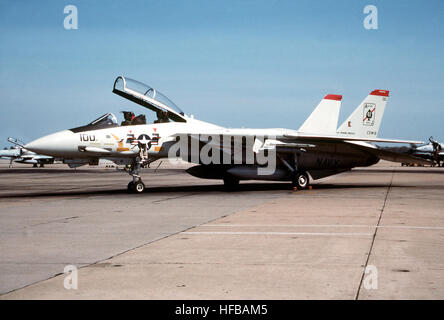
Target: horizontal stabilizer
[
  {"x": 395, "y": 156},
  {"x": 332, "y": 138}
]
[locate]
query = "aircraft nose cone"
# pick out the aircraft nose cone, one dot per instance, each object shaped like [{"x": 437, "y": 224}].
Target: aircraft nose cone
[
  {"x": 53, "y": 144},
  {"x": 36, "y": 145}
]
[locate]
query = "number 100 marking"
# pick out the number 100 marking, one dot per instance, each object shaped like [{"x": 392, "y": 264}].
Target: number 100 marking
[{"x": 86, "y": 137}]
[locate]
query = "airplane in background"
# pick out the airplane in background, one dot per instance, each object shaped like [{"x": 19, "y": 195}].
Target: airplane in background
[
  {"x": 21, "y": 155},
  {"x": 433, "y": 151},
  {"x": 314, "y": 151}
]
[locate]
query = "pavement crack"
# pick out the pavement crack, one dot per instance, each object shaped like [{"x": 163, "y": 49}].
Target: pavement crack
[
  {"x": 174, "y": 198},
  {"x": 61, "y": 220},
  {"x": 374, "y": 235}
]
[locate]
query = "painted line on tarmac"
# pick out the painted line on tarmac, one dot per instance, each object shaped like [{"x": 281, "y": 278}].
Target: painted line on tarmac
[
  {"x": 321, "y": 225},
  {"x": 329, "y": 234}
]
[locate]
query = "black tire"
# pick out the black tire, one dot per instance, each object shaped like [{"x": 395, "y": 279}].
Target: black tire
[
  {"x": 301, "y": 180},
  {"x": 230, "y": 182},
  {"x": 130, "y": 187},
  {"x": 139, "y": 187}
]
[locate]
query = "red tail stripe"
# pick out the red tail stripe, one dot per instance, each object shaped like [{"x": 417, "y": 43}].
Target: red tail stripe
[
  {"x": 384, "y": 93},
  {"x": 333, "y": 97}
]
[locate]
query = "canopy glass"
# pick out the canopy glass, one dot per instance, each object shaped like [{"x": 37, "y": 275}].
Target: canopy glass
[{"x": 148, "y": 97}]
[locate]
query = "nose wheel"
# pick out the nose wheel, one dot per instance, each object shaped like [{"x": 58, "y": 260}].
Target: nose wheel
[{"x": 136, "y": 187}]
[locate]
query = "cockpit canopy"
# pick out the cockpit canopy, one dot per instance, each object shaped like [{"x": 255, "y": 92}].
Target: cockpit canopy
[
  {"x": 108, "y": 120},
  {"x": 148, "y": 97},
  {"x": 141, "y": 94}
]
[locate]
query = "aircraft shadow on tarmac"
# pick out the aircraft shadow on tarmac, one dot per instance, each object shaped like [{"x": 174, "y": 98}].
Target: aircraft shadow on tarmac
[
  {"x": 396, "y": 170},
  {"x": 173, "y": 171},
  {"x": 204, "y": 189}
]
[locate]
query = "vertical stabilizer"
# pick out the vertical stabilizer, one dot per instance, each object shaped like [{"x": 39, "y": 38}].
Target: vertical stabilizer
[
  {"x": 365, "y": 121},
  {"x": 324, "y": 118}
]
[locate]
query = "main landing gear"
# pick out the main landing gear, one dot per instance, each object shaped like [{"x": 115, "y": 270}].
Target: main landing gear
[{"x": 300, "y": 180}]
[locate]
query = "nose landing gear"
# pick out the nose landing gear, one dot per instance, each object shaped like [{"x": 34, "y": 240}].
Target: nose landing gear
[
  {"x": 142, "y": 161},
  {"x": 135, "y": 186}
]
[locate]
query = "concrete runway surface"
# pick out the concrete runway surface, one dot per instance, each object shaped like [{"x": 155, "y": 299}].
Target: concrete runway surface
[{"x": 186, "y": 238}]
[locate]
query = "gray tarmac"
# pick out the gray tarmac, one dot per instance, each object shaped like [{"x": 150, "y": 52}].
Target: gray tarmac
[{"x": 372, "y": 233}]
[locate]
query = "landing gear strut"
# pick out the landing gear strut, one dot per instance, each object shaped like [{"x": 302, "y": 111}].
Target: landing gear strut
[{"x": 300, "y": 179}]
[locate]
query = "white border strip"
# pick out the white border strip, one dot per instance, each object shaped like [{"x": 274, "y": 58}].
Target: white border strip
[
  {"x": 322, "y": 226},
  {"x": 283, "y": 233}
]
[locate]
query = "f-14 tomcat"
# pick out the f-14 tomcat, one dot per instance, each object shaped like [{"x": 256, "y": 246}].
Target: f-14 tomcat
[
  {"x": 21, "y": 155},
  {"x": 314, "y": 151},
  {"x": 432, "y": 151}
]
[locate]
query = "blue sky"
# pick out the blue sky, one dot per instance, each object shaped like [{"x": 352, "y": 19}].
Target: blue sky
[{"x": 234, "y": 63}]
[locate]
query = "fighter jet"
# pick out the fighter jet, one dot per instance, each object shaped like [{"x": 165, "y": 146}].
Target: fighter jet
[
  {"x": 21, "y": 155},
  {"x": 314, "y": 151},
  {"x": 433, "y": 151}
]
